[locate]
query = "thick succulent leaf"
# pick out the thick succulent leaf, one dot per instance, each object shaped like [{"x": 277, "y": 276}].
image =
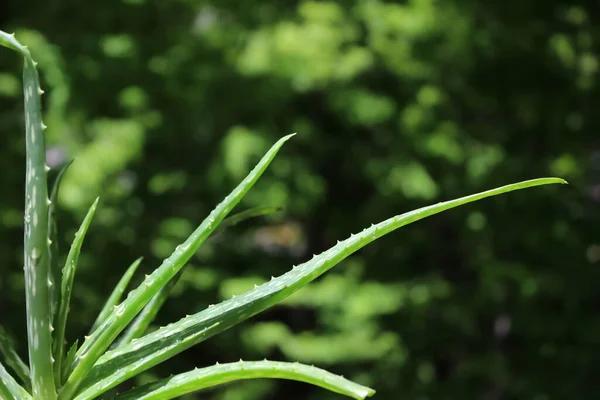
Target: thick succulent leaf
[
  {"x": 12, "y": 359},
  {"x": 198, "y": 379},
  {"x": 116, "y": 294},
  {"x": 36, "y": 241},
  {"x": 68, "y": 360},
  {"x": 9, "y": 387},
  {"x": 106, "y": 333},
  {"x": 68, "y": 275},
  {"x": 140, "y": 324},
  {"x": 145, "y": 352},
  {"x": 55, "y": 269}
]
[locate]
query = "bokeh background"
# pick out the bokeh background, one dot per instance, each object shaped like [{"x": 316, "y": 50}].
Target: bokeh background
[{"x": 165, "y": 105}]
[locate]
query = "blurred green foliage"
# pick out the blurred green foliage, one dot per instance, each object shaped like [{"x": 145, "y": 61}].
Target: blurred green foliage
[{"x": 165, "y": 105}]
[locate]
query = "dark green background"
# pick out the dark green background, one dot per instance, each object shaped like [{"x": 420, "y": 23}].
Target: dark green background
[{"x": 167, "y": 104}]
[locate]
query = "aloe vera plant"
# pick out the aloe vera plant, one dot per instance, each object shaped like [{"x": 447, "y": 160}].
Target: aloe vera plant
[{"x": 119, "y": 346}]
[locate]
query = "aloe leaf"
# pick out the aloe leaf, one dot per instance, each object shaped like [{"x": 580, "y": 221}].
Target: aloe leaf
[
  {"x": 142, "y": 321},
  {"x": 55, "y": 272},
  {"x": 68, "y": 360},
  {"x": 106, "y": 333},
  {"x": 68, "y": 275},
  {"x": 12, "y": 359},
  {"x": 116, "y": 294},
  {"x": 9, "y": 388},
  {"x": 198, "y": 379},
  {"x": 36, "y": 239},
  {"x": 246, "y": 215},
  {"x": 5, "y": 393},
  {"x": 145, "y": 352}
]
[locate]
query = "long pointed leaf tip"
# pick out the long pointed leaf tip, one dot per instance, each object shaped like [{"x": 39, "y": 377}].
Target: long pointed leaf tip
[{"x": 168, "y": 341}]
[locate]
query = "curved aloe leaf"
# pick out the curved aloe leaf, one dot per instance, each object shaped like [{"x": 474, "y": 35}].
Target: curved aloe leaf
[
  {"x": 140, "y": 325},
  {"x": 106, "y": 333},
  {"x": 144, "y": 352},
  {"x": 198, "y": 379},
  {"x": 36, "y": 253},
  {"x": 55, "y": 271},
  {"x": 116, "y": 294},
  {"x": 13, "y": 360},
  {"x": 9, "y": 388},
  {"x": 68, "y": 275}
]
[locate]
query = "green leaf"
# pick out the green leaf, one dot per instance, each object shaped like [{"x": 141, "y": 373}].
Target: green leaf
[
  {"x": 198, "y": 379},
  {"x": 55, "y": 272},
  {"x": 36, "y": 253},
  {"x": 106, "y": 333},
  {"x": 122, "y": 363},
  {"x": 9, "y": 388},
  {"x": 68, "y": 360},
  {"x": 68, "y": 275},
  {"x": 116, "y": 294},
  {"x": 246, "y": 215},
  {"x": 143, "y": 320},
  {"x": 140, "y": 325},
  {"x": 13, "y": 360},
  {"x": 5, "y": 393}
]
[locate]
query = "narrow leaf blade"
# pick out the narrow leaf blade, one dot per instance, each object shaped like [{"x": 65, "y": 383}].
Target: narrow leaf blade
[
  {"x": 106, "y": 333},
  {"x": 68, "y": 275},
  {"x": 12, "y": 359},
  {"x": 9, "y": 386},
  {"x": 116, "y": 294},
  {"x": 146, "y": 351},
  {"x": 5, "y": 393},
  {"x": 246, "y": 215},
  {"x": 68, "y": 360},
  {"x": 199, "y": 379},
  {"x": 55, "y": 271}
]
